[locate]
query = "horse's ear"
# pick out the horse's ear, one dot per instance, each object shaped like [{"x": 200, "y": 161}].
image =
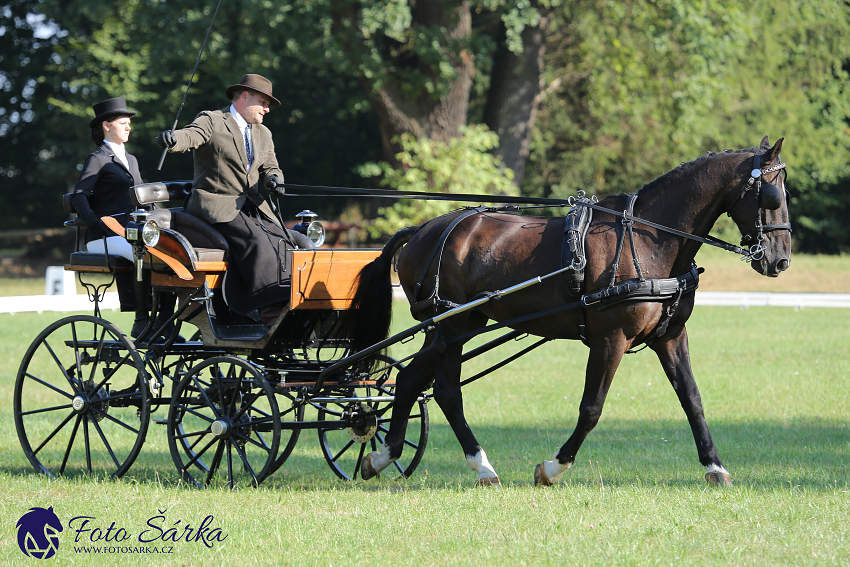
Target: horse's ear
[
  {"x": 765, "y": 143},
  {"x": 773, "y": 153}
]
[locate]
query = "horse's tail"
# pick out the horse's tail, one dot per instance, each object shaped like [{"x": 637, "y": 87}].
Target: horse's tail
[{"x": 370, "y": 314}]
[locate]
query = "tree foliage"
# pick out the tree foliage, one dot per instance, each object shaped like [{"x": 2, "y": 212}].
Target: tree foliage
[
  {"x": 626, "y": 90},
  {"x": 463, "y": 164},
  {"x": 636, "y": 88}
]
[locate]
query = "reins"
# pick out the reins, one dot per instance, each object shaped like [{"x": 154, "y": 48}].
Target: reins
[{"x": 508, "y": 199}]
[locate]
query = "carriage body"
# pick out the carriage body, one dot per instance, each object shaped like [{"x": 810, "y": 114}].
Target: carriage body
[{"x": 234, "y": 397}]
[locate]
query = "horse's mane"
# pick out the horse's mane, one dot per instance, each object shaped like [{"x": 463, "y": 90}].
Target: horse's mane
[{"x": 686, "y": 166}]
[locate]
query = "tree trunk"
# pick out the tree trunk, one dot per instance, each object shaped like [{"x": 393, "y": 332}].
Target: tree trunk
[
  {"x": 515, "y": 92},
  {"x": 436, "y": 116}
]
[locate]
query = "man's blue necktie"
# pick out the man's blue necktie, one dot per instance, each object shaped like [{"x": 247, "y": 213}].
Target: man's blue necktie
[{"x": 248, "y": 150}]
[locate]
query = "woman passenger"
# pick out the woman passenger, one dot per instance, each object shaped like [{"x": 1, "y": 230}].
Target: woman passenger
[{"x": 104, "y": 190}]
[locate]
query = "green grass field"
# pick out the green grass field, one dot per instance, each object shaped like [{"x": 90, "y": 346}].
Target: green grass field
[{"x": 775, "y": 386}]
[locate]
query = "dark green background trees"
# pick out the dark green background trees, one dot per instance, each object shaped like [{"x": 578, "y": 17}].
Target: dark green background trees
[{"x": 595, "y": 95}]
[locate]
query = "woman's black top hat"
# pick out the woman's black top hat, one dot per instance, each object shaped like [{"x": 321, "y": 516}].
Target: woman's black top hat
[
  {"x": 256, "y": 83},
  {"x": 110, "y": 108}
]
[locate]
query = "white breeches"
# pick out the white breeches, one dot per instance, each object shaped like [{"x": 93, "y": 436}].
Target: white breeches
[{"x": 116, "y": 245}]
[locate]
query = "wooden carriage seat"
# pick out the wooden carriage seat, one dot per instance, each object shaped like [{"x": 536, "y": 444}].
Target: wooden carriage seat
[{"x": 87, "y": 262}]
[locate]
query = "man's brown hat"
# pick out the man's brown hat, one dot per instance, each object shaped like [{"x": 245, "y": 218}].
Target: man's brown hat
[{"x": 256, "y": 83}]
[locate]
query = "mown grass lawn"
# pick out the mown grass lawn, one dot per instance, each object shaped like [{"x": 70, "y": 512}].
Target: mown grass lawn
[{"x": 775, "y": 386}]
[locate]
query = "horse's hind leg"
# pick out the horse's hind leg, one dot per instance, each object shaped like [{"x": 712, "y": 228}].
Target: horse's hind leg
[
  {"x": 447, "y": 393},
  {"x": 602, "y": 363},
  {"x": 673, "y": 353},
  {"x": 411, "y": 381}
]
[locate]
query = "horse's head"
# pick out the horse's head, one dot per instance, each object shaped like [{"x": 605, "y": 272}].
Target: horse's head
[{"x": 759, "y": 206}]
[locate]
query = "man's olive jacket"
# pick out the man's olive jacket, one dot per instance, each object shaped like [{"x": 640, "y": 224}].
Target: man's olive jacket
[{"x": 222, "y": 183}]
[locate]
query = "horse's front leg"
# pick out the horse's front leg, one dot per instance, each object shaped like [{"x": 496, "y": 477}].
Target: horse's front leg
[
  {"x": 673, "y": 353},
  {"x": 602, "y": 362}
]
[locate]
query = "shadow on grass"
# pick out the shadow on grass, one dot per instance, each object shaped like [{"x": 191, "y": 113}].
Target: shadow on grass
[{"x": 758, "y": 454}]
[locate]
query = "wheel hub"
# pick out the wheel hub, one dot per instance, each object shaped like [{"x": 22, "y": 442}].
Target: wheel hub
[
  {"x": 364, "y": 422},
  {"x": 85, "y": 403},
  {"x": 80, "y": 403},
  {"x": 221, "y": 428}
]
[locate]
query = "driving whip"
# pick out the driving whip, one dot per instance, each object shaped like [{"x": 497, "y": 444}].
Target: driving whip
[{"x": 192, "y": 78}]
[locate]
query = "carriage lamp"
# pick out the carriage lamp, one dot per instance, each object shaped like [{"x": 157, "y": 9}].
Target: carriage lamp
[
  {"x": 141, "y": 232},
  {"x": 310, "y": 227}
]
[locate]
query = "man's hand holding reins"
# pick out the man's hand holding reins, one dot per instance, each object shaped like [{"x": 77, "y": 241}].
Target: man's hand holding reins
[{"x": 275, "y": 185}]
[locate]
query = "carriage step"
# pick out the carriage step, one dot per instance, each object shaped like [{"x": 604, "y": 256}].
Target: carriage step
[
  {"x": 241, "y": 332},
  {"x": 160, "y": 420}
]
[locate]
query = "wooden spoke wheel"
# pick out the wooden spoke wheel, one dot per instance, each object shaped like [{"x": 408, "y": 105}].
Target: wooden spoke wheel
[
  {"x": 363, "y": 426},
  {"x": 81, "y": 400},
  {"x": 291, "y": 414},
  {"x": 224, "y": 424}
]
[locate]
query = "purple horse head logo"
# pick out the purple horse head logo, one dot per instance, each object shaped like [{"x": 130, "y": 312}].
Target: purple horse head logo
[{"x": 38, "y": 533}]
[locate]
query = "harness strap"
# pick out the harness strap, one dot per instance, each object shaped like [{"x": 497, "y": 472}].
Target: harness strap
[
  {"x": 422, "y": 195},
  {"x": 628, "y": 224},
  {"x": 708, "y": 240},
  {"x": 646, "y": 290},
  {"x": 576, "y": 224},
  {"x": 629, "y": 290},
  {"x": 434, "y": 299},
  {"x": 635, "y": 258}
]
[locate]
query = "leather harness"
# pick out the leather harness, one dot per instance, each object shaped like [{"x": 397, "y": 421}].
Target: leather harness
[{"x": 577, "y": 223}]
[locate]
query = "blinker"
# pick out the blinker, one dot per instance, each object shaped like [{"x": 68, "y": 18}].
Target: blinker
[{"x": 770, "y": 196}]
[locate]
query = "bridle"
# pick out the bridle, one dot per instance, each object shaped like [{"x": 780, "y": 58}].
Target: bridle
[{"x": 769, "y": 197}]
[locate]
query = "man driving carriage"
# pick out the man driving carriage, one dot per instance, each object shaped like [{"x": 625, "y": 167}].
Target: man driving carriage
[{"x": 233, "y": 154}]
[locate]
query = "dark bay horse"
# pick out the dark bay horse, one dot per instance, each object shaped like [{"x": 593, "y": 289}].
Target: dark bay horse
[{"x": 492, "y": 251}]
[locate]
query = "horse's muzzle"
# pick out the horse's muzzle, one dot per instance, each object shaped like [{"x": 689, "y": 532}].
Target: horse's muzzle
[{"x": 771, "y": 269}]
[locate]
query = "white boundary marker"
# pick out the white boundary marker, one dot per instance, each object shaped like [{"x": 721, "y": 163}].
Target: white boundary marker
[
  {"x": 80, "y": 302},
  {"x": 766, "y": 299},
  {"x": 41, "y": 303}
]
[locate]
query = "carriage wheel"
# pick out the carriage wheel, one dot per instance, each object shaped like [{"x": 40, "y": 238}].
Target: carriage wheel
[
  {"x": 81, "y": 399},
  {"x": 224, "y": 424},
  {"x": 364, "y": 426},
  {"x": 293, "y": 414}
]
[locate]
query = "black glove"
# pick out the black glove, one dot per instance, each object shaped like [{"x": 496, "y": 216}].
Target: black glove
[
  {"x": 166, "y": 139},
  {"x": 275, "y": 184}
]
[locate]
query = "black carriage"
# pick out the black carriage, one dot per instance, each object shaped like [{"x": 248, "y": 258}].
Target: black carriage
[{"x": 234, "y": 396}]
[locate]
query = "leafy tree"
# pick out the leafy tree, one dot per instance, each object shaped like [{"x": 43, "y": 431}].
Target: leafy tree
[
  {"x": 353, "y": 76},
  {"x": 36, "y": 148},
  {"x": 423, "y": 64},
  {"x": 144, "y": 51},
  {"x": 626, "y": 90},
  {"x": 462, "y": 164},
  {"x": 636, "y": 88}
]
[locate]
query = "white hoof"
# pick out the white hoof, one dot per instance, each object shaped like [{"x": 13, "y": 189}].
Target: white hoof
[
  {"x": 367, "y": 471},
  {"x": 548, "y": 473},
  {"x": 488, "y": 481},
  {"x": 486, "y": 473},
  {"x": 718, "y": 476}
]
